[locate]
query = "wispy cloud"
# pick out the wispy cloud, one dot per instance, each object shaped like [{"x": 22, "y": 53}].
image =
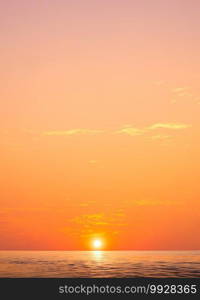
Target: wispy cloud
[
  {"x": 152, "y": 202},
  {"x": 160, "y": 137},
  {"x": 90, "y": 219},
  {"x": 93, "y": 162},
  {"x": 181, "y": 89},
  {"x": 182, "y": 92},
  {"x": 126, "y": 130},
  {"x": 89, "y": 224},
  {"x": 173, "y": 126},
  {"x": 77, "y": 131},
  {"x": 133, "y": 131},
  {"x": 88, "y": 203}
]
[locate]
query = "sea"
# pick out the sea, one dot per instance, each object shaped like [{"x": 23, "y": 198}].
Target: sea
[{"x": 102, "y": 264}]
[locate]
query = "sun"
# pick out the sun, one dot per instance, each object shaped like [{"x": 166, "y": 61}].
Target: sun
[{"x": 97, "y": 244}]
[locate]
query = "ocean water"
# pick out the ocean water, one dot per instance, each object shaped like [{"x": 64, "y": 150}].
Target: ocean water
[{"x": 68, "y": 264}]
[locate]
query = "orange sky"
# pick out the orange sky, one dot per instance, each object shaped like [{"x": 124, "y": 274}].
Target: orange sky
[{"x": 99, "y": 124}]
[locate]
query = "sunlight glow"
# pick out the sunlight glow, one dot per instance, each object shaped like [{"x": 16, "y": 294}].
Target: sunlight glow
[{"x": 97, "y": 244}]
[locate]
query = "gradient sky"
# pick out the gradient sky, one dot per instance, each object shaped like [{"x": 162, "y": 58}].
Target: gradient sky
[{"x": 99, "y": 124}]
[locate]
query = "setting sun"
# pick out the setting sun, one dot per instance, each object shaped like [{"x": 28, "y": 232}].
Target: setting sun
[{"x": 97, "y": 244}]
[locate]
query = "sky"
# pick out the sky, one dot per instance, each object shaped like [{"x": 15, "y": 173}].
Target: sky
[{"x": 99, "y": 124}]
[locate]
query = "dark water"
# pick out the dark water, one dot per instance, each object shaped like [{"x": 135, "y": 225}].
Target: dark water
[{"x": 65, "y": 264}]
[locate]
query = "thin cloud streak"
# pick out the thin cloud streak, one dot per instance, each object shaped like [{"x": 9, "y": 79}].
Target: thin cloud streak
[
  {"x": 173, "y": 126},
  {"x": 131, "y": 131},
  {"x": 127, "y": 130},
  {"x": 77, "y": 131}
]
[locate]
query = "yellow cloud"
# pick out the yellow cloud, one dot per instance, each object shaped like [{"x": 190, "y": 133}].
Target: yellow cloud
[
  {"x": 160, "y": 137},
  {"x": 77, "y": 131},
  {"x": 151, "y": 202},
  {"x": 133, "y": 131},
  {"x": 90, "y": 220},
  {"x": 184, "y": 94},
  {"x": 127, "y": 130},
  {"x": 174, "y": 126},
  {"x": 93, "y": 161},
  {"x": 88, "y": 225},
  {"x": 180, "y": 89},
  {"x": 88, "y": 203}
]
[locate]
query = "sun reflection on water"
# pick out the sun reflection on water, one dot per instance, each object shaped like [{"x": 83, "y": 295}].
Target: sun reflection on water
[{"x": 97, "y": 255}]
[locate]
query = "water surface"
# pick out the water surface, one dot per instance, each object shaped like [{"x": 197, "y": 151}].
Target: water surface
[{"x": 68, "y": 264}]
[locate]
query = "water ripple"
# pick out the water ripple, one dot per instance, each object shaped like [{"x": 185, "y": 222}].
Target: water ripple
[{"x": 105, "y": 264}]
